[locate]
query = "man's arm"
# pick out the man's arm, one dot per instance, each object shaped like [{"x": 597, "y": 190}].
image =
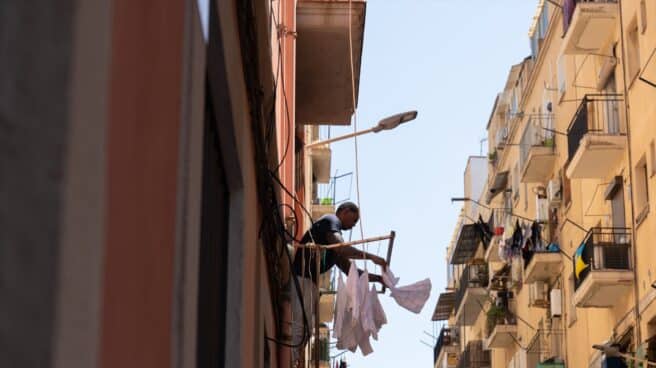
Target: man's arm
[
  {"x": 344, "y": 264},
  {"x": 353, "y": 253}
]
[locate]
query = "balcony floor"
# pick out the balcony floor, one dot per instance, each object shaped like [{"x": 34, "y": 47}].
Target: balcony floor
[
  {"x": 471, "y": 306},
  {"x": 603, "y": 288},
  {"x": 591, "y": 26},
  {"x": 502, "y": 337},
  {"x": 543, "y": 267},
  {"x": 539, "y": 165},
  {"x": 596, "y": 156}
]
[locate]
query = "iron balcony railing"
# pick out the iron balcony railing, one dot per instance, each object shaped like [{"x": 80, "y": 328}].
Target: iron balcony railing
[
  {"x": 473, "y": 276},
  {"x": 447, "y": 337},
  {"x": 603, "y": 249},
  {"x": 474, "y": 356},
  {"x": 546, "y": 344},
  {"x": 569, "y": 6},
  {"x": 597, "y": 114},
  {"x": 539, "y": 132}
]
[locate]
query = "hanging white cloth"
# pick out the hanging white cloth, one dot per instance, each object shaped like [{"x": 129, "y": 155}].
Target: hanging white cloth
[{"x": 411, "y": 297}]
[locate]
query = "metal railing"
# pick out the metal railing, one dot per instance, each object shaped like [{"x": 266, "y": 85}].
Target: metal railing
[
  {"x": 597, "y": 114},
  {"x": 474, "y": 356},
  {"x": 546, "y": 344},
  {"x": 326, "y": 194},
  {"x": 569, "y": 6},
  {"x": 539, "y": 132},
  {"x": 603, "y": 249},
  {"x": 473, "y": 276},
  {"x": 447, "y": 337}
]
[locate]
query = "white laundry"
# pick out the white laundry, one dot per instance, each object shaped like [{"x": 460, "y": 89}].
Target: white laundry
[
  {"x": 359, "y": 314},
  {"x": 340, "y": 307},
  {"x": 411, "y": 297}
]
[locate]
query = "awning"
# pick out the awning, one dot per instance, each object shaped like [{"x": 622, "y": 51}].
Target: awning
[
  {"x": 444, "y": 306},
  {"x": 499, "y": 184},
  {"x": 466, "y": 244}
]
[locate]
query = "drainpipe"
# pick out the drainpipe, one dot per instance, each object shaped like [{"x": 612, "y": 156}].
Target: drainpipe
[{"x": 636, "y": 287}]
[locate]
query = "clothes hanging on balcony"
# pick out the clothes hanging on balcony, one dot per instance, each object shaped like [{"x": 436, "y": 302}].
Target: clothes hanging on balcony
[
  {"x": 359, "y": 314},
  {"x": 411, "y": 297}
]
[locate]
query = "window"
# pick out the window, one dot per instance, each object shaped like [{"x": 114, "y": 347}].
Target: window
[
  {"x": 633, "y": 49},
  {"x": 562, "y": 76},
  {"x": 641, "y": 189},
  {"x": 652, "y": 157},
  {"x": 643, "y": 16}
]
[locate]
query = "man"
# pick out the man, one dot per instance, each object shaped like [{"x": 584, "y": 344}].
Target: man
[{"x": 325, "y": 231}]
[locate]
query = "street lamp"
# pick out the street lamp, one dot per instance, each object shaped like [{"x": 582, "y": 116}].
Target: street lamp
[
  {"x": 388, "y": 123},
  {"x": 614, "y": 352}
]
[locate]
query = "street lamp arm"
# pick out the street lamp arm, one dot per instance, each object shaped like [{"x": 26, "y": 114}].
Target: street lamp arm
[{"x": 340, "y": 138}]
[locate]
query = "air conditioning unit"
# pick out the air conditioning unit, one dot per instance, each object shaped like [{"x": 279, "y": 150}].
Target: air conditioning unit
[
  {"x": 556, "y": 303},
  {"x": 554, "y": 192},
  {"x": 541, "y": 209},
  {"x": 538, "y": 294}
]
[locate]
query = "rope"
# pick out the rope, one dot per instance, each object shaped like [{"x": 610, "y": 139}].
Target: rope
[{"x": 355, "y": 128}]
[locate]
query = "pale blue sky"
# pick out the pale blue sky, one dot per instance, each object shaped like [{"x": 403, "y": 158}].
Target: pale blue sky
[{"x": 448, "y": 59}]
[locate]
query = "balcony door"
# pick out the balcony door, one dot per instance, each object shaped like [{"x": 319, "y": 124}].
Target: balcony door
[{"x": 611, "y": 113}]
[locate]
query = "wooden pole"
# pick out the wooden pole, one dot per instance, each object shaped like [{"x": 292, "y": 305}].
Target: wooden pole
[{"x": 344, "y": 244}]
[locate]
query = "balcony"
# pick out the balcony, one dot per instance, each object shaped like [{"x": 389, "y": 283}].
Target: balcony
[
  {"x": 499, "y": 217},
  {"x": 588, "y": 24},
  {"x": 324, "y": 88},
  {"x": 327, "y": 297},
  {"x": 537, "y": 153},
  {"x": 445, "y": 353},
  {"x": 596, "y": 138},
  {"x": 546, "y": 349},
  {"x": 474, "y": 356},
  {"x": 603, "y": 269},
  {"x": 501, "y": 328},
  {"x": 472, "y": 293},
  {"x": 467, "y": 243},
  {"x": 542, "y": 265}
]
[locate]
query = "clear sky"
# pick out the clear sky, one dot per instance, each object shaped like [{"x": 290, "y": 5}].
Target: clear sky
[{"x": 447, "y": 59}]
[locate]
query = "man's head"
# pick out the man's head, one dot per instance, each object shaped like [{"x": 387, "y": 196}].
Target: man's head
[{"x": 349, "y": 214}]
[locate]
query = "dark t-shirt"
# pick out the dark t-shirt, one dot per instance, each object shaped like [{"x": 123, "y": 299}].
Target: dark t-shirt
[{"x": 321, "y": 229}]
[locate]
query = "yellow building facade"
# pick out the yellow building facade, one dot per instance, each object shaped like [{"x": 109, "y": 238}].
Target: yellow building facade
[{"x": 556, "y": 255}]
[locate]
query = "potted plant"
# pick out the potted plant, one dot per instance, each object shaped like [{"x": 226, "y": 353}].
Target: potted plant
[
  {"x": 495, "y": 315},
  {"x": 492, "y": 156},
  {"x": 549, "y": 142}
]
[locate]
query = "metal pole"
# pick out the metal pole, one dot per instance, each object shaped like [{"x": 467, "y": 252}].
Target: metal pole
[
  {"x": 341, "y": 137},
  {"x": 316, "y": 308}
]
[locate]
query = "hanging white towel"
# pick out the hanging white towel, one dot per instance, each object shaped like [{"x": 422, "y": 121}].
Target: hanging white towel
[
  {"x": 340, "y": 307},
  {"x": 411, "y": 297}
]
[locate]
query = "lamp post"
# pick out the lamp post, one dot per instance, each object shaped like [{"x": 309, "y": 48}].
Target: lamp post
[
  {"x": 614, "y": 352},
  {"x": 388, "y": 123}
]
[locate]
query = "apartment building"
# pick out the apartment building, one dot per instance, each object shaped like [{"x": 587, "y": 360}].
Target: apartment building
[
  {"x": 556, "y": 257},
  {"x": 153, "y": 169}
]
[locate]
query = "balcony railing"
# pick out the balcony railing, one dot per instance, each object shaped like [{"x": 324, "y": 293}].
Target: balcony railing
[
  {"x": 447, "y": 337},
  {"x": 474, "y": 356},
  {"x": 538, "y": 133},
  {"x": 546, "y": 345},
  {"x": 598, "y": 115},
  {"x": 569, "y": 6},
  {"x": 603, "y": 249},
  {"x": 473, "y": 276}
]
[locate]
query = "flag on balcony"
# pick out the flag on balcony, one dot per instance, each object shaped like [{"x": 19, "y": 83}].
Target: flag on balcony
[{"x": 580, "y": 264}]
